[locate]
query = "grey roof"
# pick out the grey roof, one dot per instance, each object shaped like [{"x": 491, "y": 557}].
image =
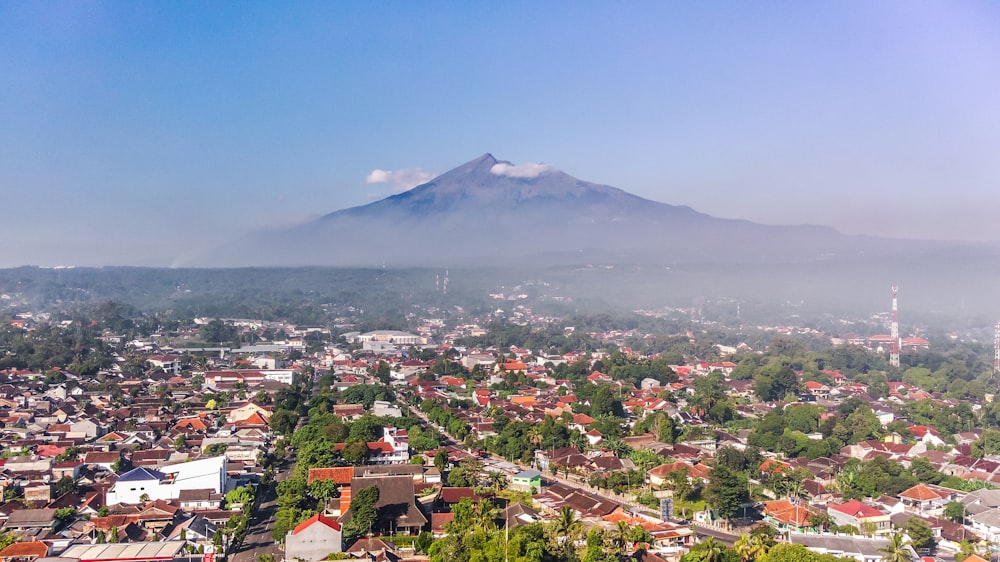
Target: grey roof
[
  {"x": 137, "y": 474},
  {"x": 845, "y": 544},
  {"x": 989, "y": 498},
  {"x": 528, "y": 474},
  {"x": 990, "y": 517},
  {"x": 28, "y": 518}
]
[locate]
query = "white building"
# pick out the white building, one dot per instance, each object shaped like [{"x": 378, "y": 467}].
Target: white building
[{"x": 168, "y": 482}]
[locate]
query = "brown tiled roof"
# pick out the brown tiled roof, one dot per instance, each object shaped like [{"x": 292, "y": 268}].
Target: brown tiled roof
[
  {"x": 25, "y": 550},
  {"x": 339, "y": 474}
]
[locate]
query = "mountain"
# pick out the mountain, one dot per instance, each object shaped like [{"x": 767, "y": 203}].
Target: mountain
[{"x": 488, "y": 211}]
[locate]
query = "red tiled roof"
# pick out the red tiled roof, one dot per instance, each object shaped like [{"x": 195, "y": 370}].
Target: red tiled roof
[
  {"x": 855, "y": 508},
  {"x": 339, "y": 474},
  {"x": 25, "y": 549},
  {"x": 920, "y": 492},
  {"x": 318, "y": 518}
]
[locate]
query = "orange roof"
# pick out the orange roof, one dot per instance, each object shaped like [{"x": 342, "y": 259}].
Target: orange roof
[
  {"x": 25, "y": 549},
  {"x": 787, "y": 513},
  {"x": 318, "y": 518},
  {"x": 192, "y": 423},
  {"x": 255, "y": 419},
  {"x": 523, "y": 400},
  {"x": 920, "y": 492},
  {"x": 774, "y": 466},
  {"x": 339, "y": 474},
  {"x": 665, "y": 469}
]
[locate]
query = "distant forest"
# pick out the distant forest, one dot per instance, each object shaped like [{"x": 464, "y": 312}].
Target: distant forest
[{"x": 814, "y": 294}]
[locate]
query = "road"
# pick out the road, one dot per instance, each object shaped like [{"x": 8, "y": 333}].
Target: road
[
  {"x": 584, "y": 487},
  {"x": 722, "y": 536},
  {"x": 259, "y": 540}
]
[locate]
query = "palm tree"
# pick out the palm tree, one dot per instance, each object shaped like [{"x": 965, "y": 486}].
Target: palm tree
[
  {"x": 712, "y": 551},
  {"x": 498, "y": 480},
  {"x": 485, "y": 516},
  {"x": 897, "y": 550},
  {"x": 759, "y": 546},
  {"x": 743, "y": 547},
  {"x": 621, "y": 537},
  {"x": 620, "y": 448},
  {"x": 566, "y": 525}
]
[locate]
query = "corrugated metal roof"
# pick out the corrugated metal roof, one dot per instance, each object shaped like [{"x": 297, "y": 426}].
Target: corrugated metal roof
[{"x": 124, "y": 551}]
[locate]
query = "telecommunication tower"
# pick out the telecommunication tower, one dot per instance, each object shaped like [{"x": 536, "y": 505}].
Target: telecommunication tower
[
  {"x": 894, "y": 330},
  {"x": 996, "y": 350}
]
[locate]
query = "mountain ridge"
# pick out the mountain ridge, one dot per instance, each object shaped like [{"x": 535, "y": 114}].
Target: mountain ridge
[{"x": 488, "y": 211}]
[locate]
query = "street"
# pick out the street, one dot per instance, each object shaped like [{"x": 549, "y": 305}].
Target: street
[
  {"x": 625, "y": 500},
  {"x": 258, "y": 540}
]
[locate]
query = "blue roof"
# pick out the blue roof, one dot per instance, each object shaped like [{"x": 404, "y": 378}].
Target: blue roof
[
  {"x": 529, "y": 474},
  {"x": 140, "y": 473}
]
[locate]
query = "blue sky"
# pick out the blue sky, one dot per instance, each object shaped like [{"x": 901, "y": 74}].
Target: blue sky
[{"x": 131, "y": 132}]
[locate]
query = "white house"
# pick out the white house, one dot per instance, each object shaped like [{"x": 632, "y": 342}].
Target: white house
[
  {"x": 167, "y": 483},
  {"x": 314, "y": 539}
]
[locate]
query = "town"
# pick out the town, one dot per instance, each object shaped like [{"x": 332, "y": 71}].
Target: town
[{"x": 515, "y": 436}]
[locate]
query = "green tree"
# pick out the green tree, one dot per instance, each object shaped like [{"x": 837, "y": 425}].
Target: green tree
[
  {"x": 987, "y": 444},
  {"x": 66, "y": 485},
  {"x": 441, "y": 460},
  {"x": 726, "y": 491},
  {"x": 66, "y": 515},
  {"x": 955, "y": 511},
  {"x": 423, "y": 542},
  {"x": 920, "y": 533},
  {"x": 284, "y": 421},
  {"x": 364, "y": 514},
  {"x": 355, "y": 451},
  {"x": 965, "y": 550}
]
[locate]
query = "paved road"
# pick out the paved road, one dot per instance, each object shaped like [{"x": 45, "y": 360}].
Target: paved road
[
  {"x": 625, "y": 500},
  {"x": 258, "y": 540},
  {"x": 722, "y": 536}
]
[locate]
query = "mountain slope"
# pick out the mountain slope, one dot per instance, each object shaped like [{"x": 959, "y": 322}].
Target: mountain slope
[{"x": 492, "y": 212}]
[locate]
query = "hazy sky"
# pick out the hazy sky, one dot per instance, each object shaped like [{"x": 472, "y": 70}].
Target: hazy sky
[{"x": 132, "y": 132}]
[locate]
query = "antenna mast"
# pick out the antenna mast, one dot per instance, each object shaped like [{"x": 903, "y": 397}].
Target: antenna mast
[
  {"x": 996, "y": 350},
  {"x": 894, "y": 330}
]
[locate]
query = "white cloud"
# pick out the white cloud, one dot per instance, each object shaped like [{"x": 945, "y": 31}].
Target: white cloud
[
  {"x": 401, "y": 180},
  {"x": 530, "y": 170}
]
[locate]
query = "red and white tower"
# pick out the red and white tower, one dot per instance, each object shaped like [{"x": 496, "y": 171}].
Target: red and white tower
[
  {"x": 996, "y": 350},
  {"x": 894, "y": 330}
]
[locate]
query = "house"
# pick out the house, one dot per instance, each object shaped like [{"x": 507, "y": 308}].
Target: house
[
  {"x": 314, "y": 539},
  {"x": 168, "y": 482},
  {"x": 191, "y": 500},
  {"x": 987, "y": 524},
  {"x": 396, "y": 504},
  {"x": 859, "y": 548},
  {"x": 527, "y": 481},
  {"x": 24, "y": 552},
  {"x": 860, "y": 516},
  {"x": 787, "y": 516},
  {"x": 817, "y": 389},
  {"x": 923, "y": 498},
  {"x": 170, "y": 364},
  {"x": 31, "y": 520}
]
